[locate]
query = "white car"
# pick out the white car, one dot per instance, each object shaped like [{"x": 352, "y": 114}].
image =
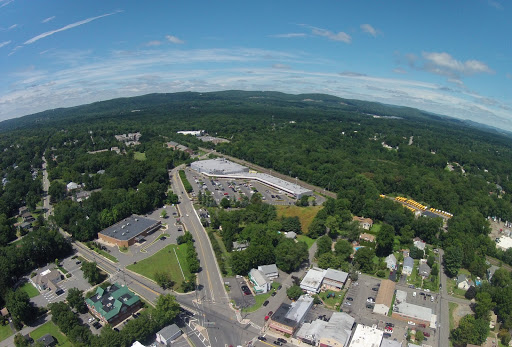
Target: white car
[
  {"x": 431, "y": 299},
  {"x": 414, "y": 294},
  {"x": 411, "y": 322}
]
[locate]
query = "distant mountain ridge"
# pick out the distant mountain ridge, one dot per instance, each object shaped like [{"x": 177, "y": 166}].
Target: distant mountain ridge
[{"x": 124, "y": 106}]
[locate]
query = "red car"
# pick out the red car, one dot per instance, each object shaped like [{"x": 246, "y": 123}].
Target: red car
[
  {"x": 270, "y": 313},
  {"x": 426, "y": 334},
  {"x": 389, "y": 329}
]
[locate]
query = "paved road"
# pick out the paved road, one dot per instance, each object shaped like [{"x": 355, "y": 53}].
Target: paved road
[{"x": 46, "y": 185}]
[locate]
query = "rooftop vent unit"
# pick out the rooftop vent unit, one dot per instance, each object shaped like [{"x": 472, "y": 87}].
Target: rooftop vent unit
[{"x": 111, "y": 298}]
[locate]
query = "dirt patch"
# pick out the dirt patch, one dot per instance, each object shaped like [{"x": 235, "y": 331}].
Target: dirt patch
[
  {"x": 461, "y": 311},
  {"x": 497, "y": 229}
]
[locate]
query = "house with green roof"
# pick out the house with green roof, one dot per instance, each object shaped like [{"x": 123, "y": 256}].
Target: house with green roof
[{"x": 113, "y": 304}]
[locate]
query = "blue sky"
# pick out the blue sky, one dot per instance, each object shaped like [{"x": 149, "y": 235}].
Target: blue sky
[{"x": 448, "y": 57}]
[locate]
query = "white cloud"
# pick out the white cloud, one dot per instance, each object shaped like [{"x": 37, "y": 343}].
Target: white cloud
[
  {"x": 444, "y": 64},
  {"x": 67, "y": 27},
  {"x": 14, "y": 50},
  {"x": 12, "y": 27},
  {"x": 174, "y": 39},
  {"x": 281, "y": 66},
  {"x": 340, "y": 36},
  {"x": 400, "y": 71},
  {"x": 5, "y": 43},
  {"x": 46, "y": 20},
  {"x": 154, "y": 43},
  {"x": 495, "y": 4},
  {"x": 289, "y": 35},
  {"x": 5, "y": 2},
  {"x": 367, "y": 28}
]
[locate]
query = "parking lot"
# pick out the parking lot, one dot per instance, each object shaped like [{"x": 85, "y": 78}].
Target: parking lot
[
  {"x": 359, "y": 292},
  {"x": 236, "y": 293},
  {"x": 234, "y": 189}
]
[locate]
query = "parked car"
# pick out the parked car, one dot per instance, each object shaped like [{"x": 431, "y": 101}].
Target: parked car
[
  {"x": 390, "y": 325},
  {"x": 369, "y": 306},
  {"x": 411, "y": 322},
  {"x": 350, "y": 299},
  {"x": 282, "y": 340},
  {"x": 426, "y": 334},
  {"x": 277, "y": 343},
  {"x": 270, "y": 313},
  {"x": 375, "y": 289},
  {"x": 387, "y": 335},
  {"x": 262, "y": 338},
  {"x": 280, "y": 286},
  {"x": 265, "y": 303}
]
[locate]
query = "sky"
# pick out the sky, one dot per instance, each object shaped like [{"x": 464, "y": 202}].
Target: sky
[{"x": 447, "y": 57}]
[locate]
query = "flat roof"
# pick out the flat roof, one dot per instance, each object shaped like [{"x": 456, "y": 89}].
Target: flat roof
[
  {"x": 504, "y": 242},
  {"x": 268, "y": 269},
  {"x": 279, "y": 183},
  {"x": 390, "y": 343},
  {"x": 313, "y": 278},
  {"x": 336, "y": 275},
  {"x": 299, "y": 308},
  {"x": 414, "y": 311},
  {"x": 280, "y": 316},
  {"x": 339, "y": 327},
  {"x": 366, "y": 336},
  {"x": 129, "y": 227},
  {"x": 219, "y": 166},
  {"x": 401, "y": 296}
]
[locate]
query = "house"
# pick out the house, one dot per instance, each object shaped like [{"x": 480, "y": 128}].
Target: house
[
  {"x": 47, "y": 279},
  {"x": 390, "y": 261},
  {"x": 367, "y": 237},
  {"x": 269, "y": 270},
  {"x": 240, "y": 246},
  {"x": 81, "y": 196},
  {"x": 424, "y": 270},
  {"x": 463, "y": 282},
  {"x": 261, "y": 283},
  {"x": 334, "y": 279},
  {"x": 491, "y": 270},
  {"x": 71, "y": 186},
  {"x": 365, "y": 223},
  {"x": 290, "y": 235},
  {"x": 288, "y": 317},
  {"x": 27, "y": 217},
  {"x": 168, "y": 334},
  {"x": 4, "y": 312},
  {"x": 408, "y": 266},
  {"x": 418, "y": 243},
  {"x": 47, "y": 340},
  {"x": 313, "y": 280},
  {"x": 113, "y": 304},
  {"x": 384, "y": 297}
]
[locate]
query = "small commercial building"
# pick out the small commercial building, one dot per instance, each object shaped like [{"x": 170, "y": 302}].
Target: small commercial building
[
  {"x": 47, "y": 279},
  {"x": 260, "y": 282},
  {"x": 312, "y": 282},
  {"x": 128, "y": 231},
  {"x": 288, "y": 318},
  {"x": 113, "y": 304},
  {"x": 384, "y": 297},
  {"x": 334, "y": 280},
  {"x": 365, "y": 336},
  {"x": 410, "y": 312},
  {"x": 335, "y": 333},
  {"x": 270, "y": 271},
  {"x": 168, "y": 334}
]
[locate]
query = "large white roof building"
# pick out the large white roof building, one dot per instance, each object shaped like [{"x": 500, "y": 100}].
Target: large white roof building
[
  {"x": 366, "y": 336},
  {"x": 313, "y": 280}
]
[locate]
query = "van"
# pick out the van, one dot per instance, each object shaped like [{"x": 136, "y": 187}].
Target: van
[{"x": 413, "y": 294}]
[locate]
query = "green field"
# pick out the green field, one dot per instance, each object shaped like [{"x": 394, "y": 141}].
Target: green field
[
  {"x": 165, "y": 260},
  {"x": 30, "y": 289},
  {"x": 332, "y": 301},
  {"x": 260, "y": 299},
  {"x": 305, "y": 214},
  {"x": 52, "y": 329},
  {"x": 139, "y": 156},
  {"x": 309, "y": 241},
  {"x": 452, "y": 307},
  {"x": 5, "y": 332}
]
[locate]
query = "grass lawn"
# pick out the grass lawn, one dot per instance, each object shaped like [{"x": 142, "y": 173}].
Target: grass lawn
[
  {"x": 30, "y": 289},
  {"x": 375, "y": 228},
  {"x": 453, "y": 306},
  {"x": 105, "y": 254},
  {"x": 52, "y": 329},
  {"x": 225, "y": 254},
  {"x": 332, "y": 301},
  {"x": 139, "y": 156},
  {"x": 305, "y": 214},
  {"x": 260, "y": 299},
  {"x": 5, "y": 332},
  {"x": 454, "y": 290},
  {"x": 415, "y": 278},
  {"x": 309, "y": 241},
  {"x": 165, "y": 260}
]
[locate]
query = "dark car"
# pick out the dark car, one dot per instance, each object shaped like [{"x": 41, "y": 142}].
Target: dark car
[
  {"x": 97, "y": 325},
  {"x": 387, "y": 335},
  {"x": 350, "y": 299},
  {"x": 390, "y": 325},
  {"x": 115, "y": 329},
  {"x": 369, "y": 306},
  {"x": 375, "y": 289},
  {"x": 265, "y": 303},
  {"x": 270, "y": 313},
  {"x": 282, "y": 340},
  {"x": 273, "y": 293},
  {"x": 78, "y": 262},
  {"x": 59, "y": 292},
  {"x": 280, "y": 286},
  {"x": 244, "y": 288},
  {"x": 162, "y": 238},
  {"x": 262, "y": 338},
  {"x": 278, "y": 343}
]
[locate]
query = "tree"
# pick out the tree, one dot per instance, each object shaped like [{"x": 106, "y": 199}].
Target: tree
[
  {"x": 470, "y": 293},
  {"x": 453, "y": 260},
  {"x": 324, "y": 245},
  {"x": 416, "y": 253},
  {"x": 483, "y": 305},
  {"x": 163, "y": 279},
  {"x": 163, "y": 214},
  {"x": 75, "y": 299},
  {"x": 385, "y": 240},
  {"x": 20, "y": 341},
  {"x": 291, "y": 224},
  {"x": 470, "y": 330},
  {"x": 240, "y": 263},
  {"x": 294, "y": 292},
  {"x": 364, "y": 258},
  {"x": 225, "y": 203},
  {"x": 91, "y": 272},
  {"x": 343, "y": 249},
  {"x": 290, "y": 255},
  {"x": 190, "y": 284},
  {"x": 316, "y": 228},
  {"x": 167, "y": 308},
  {"x": 19, "y": 306},
  {"x": 419, "y": 336},
  {"x": 328, "y": 260},
  {"x": 431, "y": 260}
]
